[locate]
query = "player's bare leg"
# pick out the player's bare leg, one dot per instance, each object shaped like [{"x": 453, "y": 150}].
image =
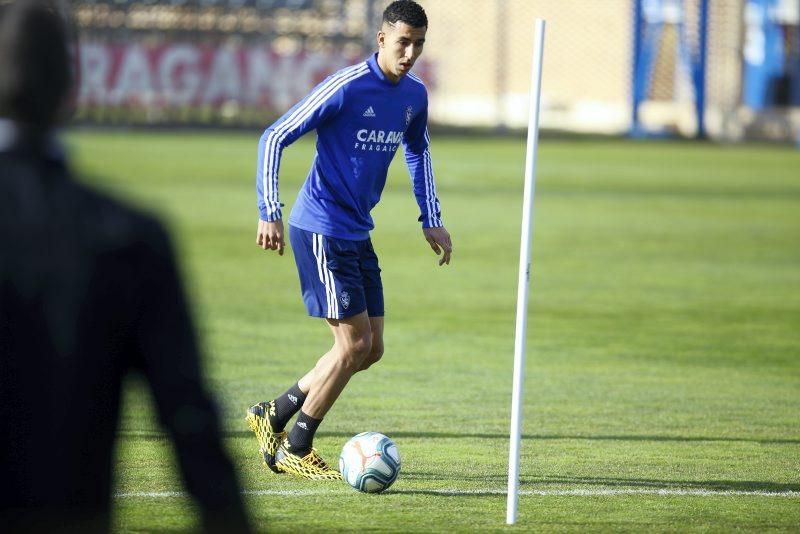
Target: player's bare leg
[
  {"x": 376, "y": 349},
  {"x": 269, "y": 425},
  {"x": 375, "y": 354},
  {"x": 352, "y": 347}
]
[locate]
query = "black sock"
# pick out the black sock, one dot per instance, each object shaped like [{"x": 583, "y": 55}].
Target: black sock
[
  {"x": 302, "y": 434},
  {"x": 286, "y": 406}
]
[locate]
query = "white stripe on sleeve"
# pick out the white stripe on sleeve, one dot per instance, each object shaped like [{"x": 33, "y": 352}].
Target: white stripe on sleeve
[{"x": 273, "y": 144}]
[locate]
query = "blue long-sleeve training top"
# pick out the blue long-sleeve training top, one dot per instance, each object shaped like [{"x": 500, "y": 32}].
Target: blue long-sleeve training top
[{"x": 361, "y": 118}]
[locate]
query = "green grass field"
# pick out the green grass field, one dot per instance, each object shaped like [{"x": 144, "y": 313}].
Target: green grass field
[{"x": 663, "y": 374}]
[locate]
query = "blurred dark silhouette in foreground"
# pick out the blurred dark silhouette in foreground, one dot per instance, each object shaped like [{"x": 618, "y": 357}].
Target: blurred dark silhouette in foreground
[{"x": 88, "y": 292}]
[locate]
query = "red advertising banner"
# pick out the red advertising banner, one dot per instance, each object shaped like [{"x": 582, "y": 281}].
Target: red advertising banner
[{"x": 188, "y": 82}]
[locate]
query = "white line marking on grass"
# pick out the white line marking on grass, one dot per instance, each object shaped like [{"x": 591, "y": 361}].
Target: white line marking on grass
[
  {"x": 150, "y": 494},
  {"x": 672, "y": 492}
]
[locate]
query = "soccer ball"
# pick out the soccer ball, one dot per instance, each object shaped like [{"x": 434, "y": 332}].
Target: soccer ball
[{"x": 369, "y": 462}]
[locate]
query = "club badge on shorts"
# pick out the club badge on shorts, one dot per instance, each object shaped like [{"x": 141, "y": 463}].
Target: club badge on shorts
[{"x": 345, "y": 299}]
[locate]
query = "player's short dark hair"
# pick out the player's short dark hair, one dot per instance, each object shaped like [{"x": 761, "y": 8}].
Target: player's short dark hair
[
  {"x": 406, "y": 11},
  {"x": 36, "y": 76}
]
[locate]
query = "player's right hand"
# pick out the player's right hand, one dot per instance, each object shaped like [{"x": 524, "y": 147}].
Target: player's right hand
[{"x": 270, "y": 235}]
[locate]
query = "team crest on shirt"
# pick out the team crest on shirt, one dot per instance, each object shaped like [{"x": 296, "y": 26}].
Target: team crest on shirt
[
  {"x": 409, "y": 114},
  {"x": 345, "y": 299}
]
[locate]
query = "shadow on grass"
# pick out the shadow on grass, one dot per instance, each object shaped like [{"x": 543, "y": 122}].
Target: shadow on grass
[
  {"x": 650, "y": 483},
  {"x": 621, "y": 437},
  {"x": 157, "y": 435},
  {"x": 558, "y": 483},
  {"x": 542, "y": 482},
  {"x": 441, "y": 493}
]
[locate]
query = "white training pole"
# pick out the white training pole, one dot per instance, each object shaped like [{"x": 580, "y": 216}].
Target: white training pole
[{"x": 524, "y": 279}]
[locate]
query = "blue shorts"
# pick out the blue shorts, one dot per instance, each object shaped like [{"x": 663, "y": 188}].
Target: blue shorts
[{"x": 339, "y": 278}]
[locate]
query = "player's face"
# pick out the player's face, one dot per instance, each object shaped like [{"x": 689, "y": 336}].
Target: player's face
[{"x": 399, "y": 46}]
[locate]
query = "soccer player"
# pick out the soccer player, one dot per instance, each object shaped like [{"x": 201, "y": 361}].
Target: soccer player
[{"x": 361, "y": 115}]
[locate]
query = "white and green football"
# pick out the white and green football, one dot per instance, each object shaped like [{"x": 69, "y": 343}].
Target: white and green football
[{"x": 370, "y": 462}]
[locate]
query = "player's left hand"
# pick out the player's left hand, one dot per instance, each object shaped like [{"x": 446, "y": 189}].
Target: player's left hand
[{"x": 439, "y": 240}]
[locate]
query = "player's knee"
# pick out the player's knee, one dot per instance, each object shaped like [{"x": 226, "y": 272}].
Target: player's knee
[
  {"x": 375, "y": 354},
  {"x": 369, "y": 361},
  {"x": 356, "y": 350}
]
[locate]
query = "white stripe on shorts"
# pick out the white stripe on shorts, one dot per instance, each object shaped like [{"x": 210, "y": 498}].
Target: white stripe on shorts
[{"x": 326, "y": 277}]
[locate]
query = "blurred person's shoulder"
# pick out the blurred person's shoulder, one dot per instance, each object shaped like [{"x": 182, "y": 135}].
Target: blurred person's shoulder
[
  {"x": 115, "y": 224},
  {"x": 44, "y": 194}
]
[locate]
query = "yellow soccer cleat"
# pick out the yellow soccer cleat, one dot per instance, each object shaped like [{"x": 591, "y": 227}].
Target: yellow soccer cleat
[
  {"x": 268, "y": 440},
  {"x": 310, "y": 466}
]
